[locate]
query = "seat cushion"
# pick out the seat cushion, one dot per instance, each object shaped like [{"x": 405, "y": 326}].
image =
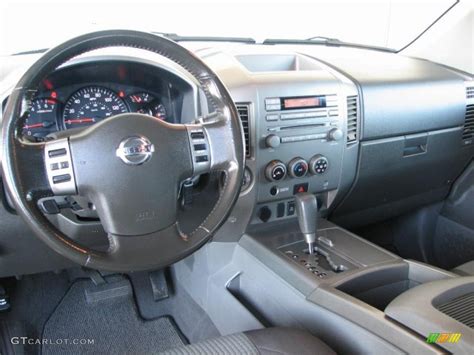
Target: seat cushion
[
  {"x": 268, "y": 341},
  {"x": 466, "y": 269}
]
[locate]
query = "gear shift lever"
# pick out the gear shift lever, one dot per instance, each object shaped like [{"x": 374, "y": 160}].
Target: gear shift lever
[{"x": 307, "y": 210}]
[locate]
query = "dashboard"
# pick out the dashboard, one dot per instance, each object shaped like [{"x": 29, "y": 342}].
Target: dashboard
[
  {"x": 81, "y": 95},
  {"x": 323, "y": 120}
]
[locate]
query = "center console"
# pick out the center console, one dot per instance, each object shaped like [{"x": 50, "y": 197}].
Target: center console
[{"x": 371, "y": 287}]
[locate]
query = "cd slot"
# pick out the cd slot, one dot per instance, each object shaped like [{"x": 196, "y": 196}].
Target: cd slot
[{"x": 300, "y": 126}]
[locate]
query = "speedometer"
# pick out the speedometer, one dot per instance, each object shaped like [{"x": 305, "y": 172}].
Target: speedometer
[{"x": 90, "y": 105}]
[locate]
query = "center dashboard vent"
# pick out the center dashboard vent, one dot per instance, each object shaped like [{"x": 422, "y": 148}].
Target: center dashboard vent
[
  {"x": 244, "y": 113},
  {"x": 468, "y": 131},
  {"x": 352, "y": 113}
]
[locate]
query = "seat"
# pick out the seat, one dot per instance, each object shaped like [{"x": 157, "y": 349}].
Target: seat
[
  {"x": 268, "y": 341},
  {"x": 466, "y": 269}
]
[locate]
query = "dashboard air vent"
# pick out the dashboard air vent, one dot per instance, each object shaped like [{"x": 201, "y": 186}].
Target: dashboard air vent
[
  {"x": 352, "y": 119},
  {"x": 470, "y": 92},
  {"x": 244, "y": 112},
  {"x": 468, "y": 131},
  {"x": 458, "y": 309}
]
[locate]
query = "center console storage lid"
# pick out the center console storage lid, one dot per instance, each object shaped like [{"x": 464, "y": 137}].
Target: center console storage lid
[{"x": 439, "y": 307}]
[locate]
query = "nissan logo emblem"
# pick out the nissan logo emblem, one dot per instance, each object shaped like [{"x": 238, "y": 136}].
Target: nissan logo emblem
[{"x": 135, "y": 150}]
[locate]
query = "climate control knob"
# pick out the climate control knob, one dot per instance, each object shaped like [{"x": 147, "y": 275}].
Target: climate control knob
[
  {"x": 275, "y": 171},
  {"x": 335, "y": 134},
  {"x": 318, "y": 164},
  {"x": 272, "y": 141},
  {"x": 298, "y": 167}
]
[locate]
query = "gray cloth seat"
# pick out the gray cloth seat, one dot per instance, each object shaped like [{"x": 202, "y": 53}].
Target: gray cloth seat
[
  {"x": 466, "y": 269},
  {"x": 268, "y": 341}
]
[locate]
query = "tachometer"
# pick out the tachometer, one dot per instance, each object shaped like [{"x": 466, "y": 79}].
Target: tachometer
[
  {"x": 42, "y": 118},
  {"x": 91, "y": 105}
]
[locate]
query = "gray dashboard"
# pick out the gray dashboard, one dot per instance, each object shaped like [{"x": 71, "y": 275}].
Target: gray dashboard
[
  {"x": 392, "y": 131},
  {"x": 404, "y": 122}
]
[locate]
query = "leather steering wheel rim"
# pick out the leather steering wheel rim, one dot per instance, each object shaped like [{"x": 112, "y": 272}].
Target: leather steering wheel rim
[{"x": 138, "y": 244}]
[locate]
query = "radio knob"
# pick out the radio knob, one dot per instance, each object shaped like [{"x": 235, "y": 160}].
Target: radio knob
[
  {"x": 272, "y": 141},
  {"x": 298, "y": 167},
  {"x": 275, "y": 171},
  {"x": 318, "y": 164},
  {"x": 335, "y": 134}
]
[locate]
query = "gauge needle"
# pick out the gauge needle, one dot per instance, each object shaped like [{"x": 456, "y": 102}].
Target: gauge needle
[
  {"x": 44, "y": 124},
  {"x": 80, "y": 120}
]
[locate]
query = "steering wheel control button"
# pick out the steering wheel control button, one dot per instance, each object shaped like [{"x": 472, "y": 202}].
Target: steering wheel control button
[
  {"x": 275, "y": 171},
  {"x": 135, "y": 150},
  {"x": 202, "y": 158},
  {"x": 197, "y": 135},
  {"x": 299, "y": 188},
  {"x": 61, "y": 178},
  {"x": 199, "y": 150},
  {"x": 318, "y": 164},
  {"x": 58, "y": 164},
  {"x": 57, "y": 152},
  {"x": 298, "y": 167}
]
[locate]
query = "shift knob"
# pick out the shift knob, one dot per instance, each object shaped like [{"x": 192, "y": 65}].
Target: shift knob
[{"x": 307, "y": 210}]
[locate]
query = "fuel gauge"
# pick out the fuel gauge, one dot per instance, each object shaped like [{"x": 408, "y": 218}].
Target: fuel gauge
[{"x": 159, "y": 111}]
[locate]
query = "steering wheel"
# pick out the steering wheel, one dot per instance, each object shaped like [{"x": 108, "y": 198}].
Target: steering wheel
[{"x": 130, "y": 166}]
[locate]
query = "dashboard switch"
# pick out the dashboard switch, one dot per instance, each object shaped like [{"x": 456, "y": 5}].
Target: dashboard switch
[
  {"x": 290, "y": 208},
  {"x": 318, "y": 164},
  {"x": 280, "y": 210},
  {"x": 299, "y": 188},
  {"x": 298, "y": 167},
  {"x": 275, "y": 171}
]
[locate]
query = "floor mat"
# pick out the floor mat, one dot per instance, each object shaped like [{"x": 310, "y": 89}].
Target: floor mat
[{"x": 110, "y": 326}]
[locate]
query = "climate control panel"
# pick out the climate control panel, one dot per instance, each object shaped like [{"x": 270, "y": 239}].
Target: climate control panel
[{"x": 277, "y": 170}]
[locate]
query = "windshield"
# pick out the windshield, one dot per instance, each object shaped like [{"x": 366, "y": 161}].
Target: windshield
[{"x": 29, "y": 25}]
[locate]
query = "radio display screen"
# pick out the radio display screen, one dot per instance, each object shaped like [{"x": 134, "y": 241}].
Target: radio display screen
[{"x": 291, "y": 103}]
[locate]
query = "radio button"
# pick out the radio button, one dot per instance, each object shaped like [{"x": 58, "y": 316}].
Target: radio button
[
  {"x": 272, "y": 117},
  {"x": 298, "y": 167},
  {"x": 335, "y": 134},
  {"x": 272, "y": 141},
  {"x": 275, "y": 107},
  {"x": 272, "y": 101},
  {"x": 275, "y": 171},
  {"x": 318, "y": 164}
]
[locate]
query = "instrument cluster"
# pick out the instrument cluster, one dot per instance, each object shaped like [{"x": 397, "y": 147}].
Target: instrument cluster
[{"x": 61, "y": 109}]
